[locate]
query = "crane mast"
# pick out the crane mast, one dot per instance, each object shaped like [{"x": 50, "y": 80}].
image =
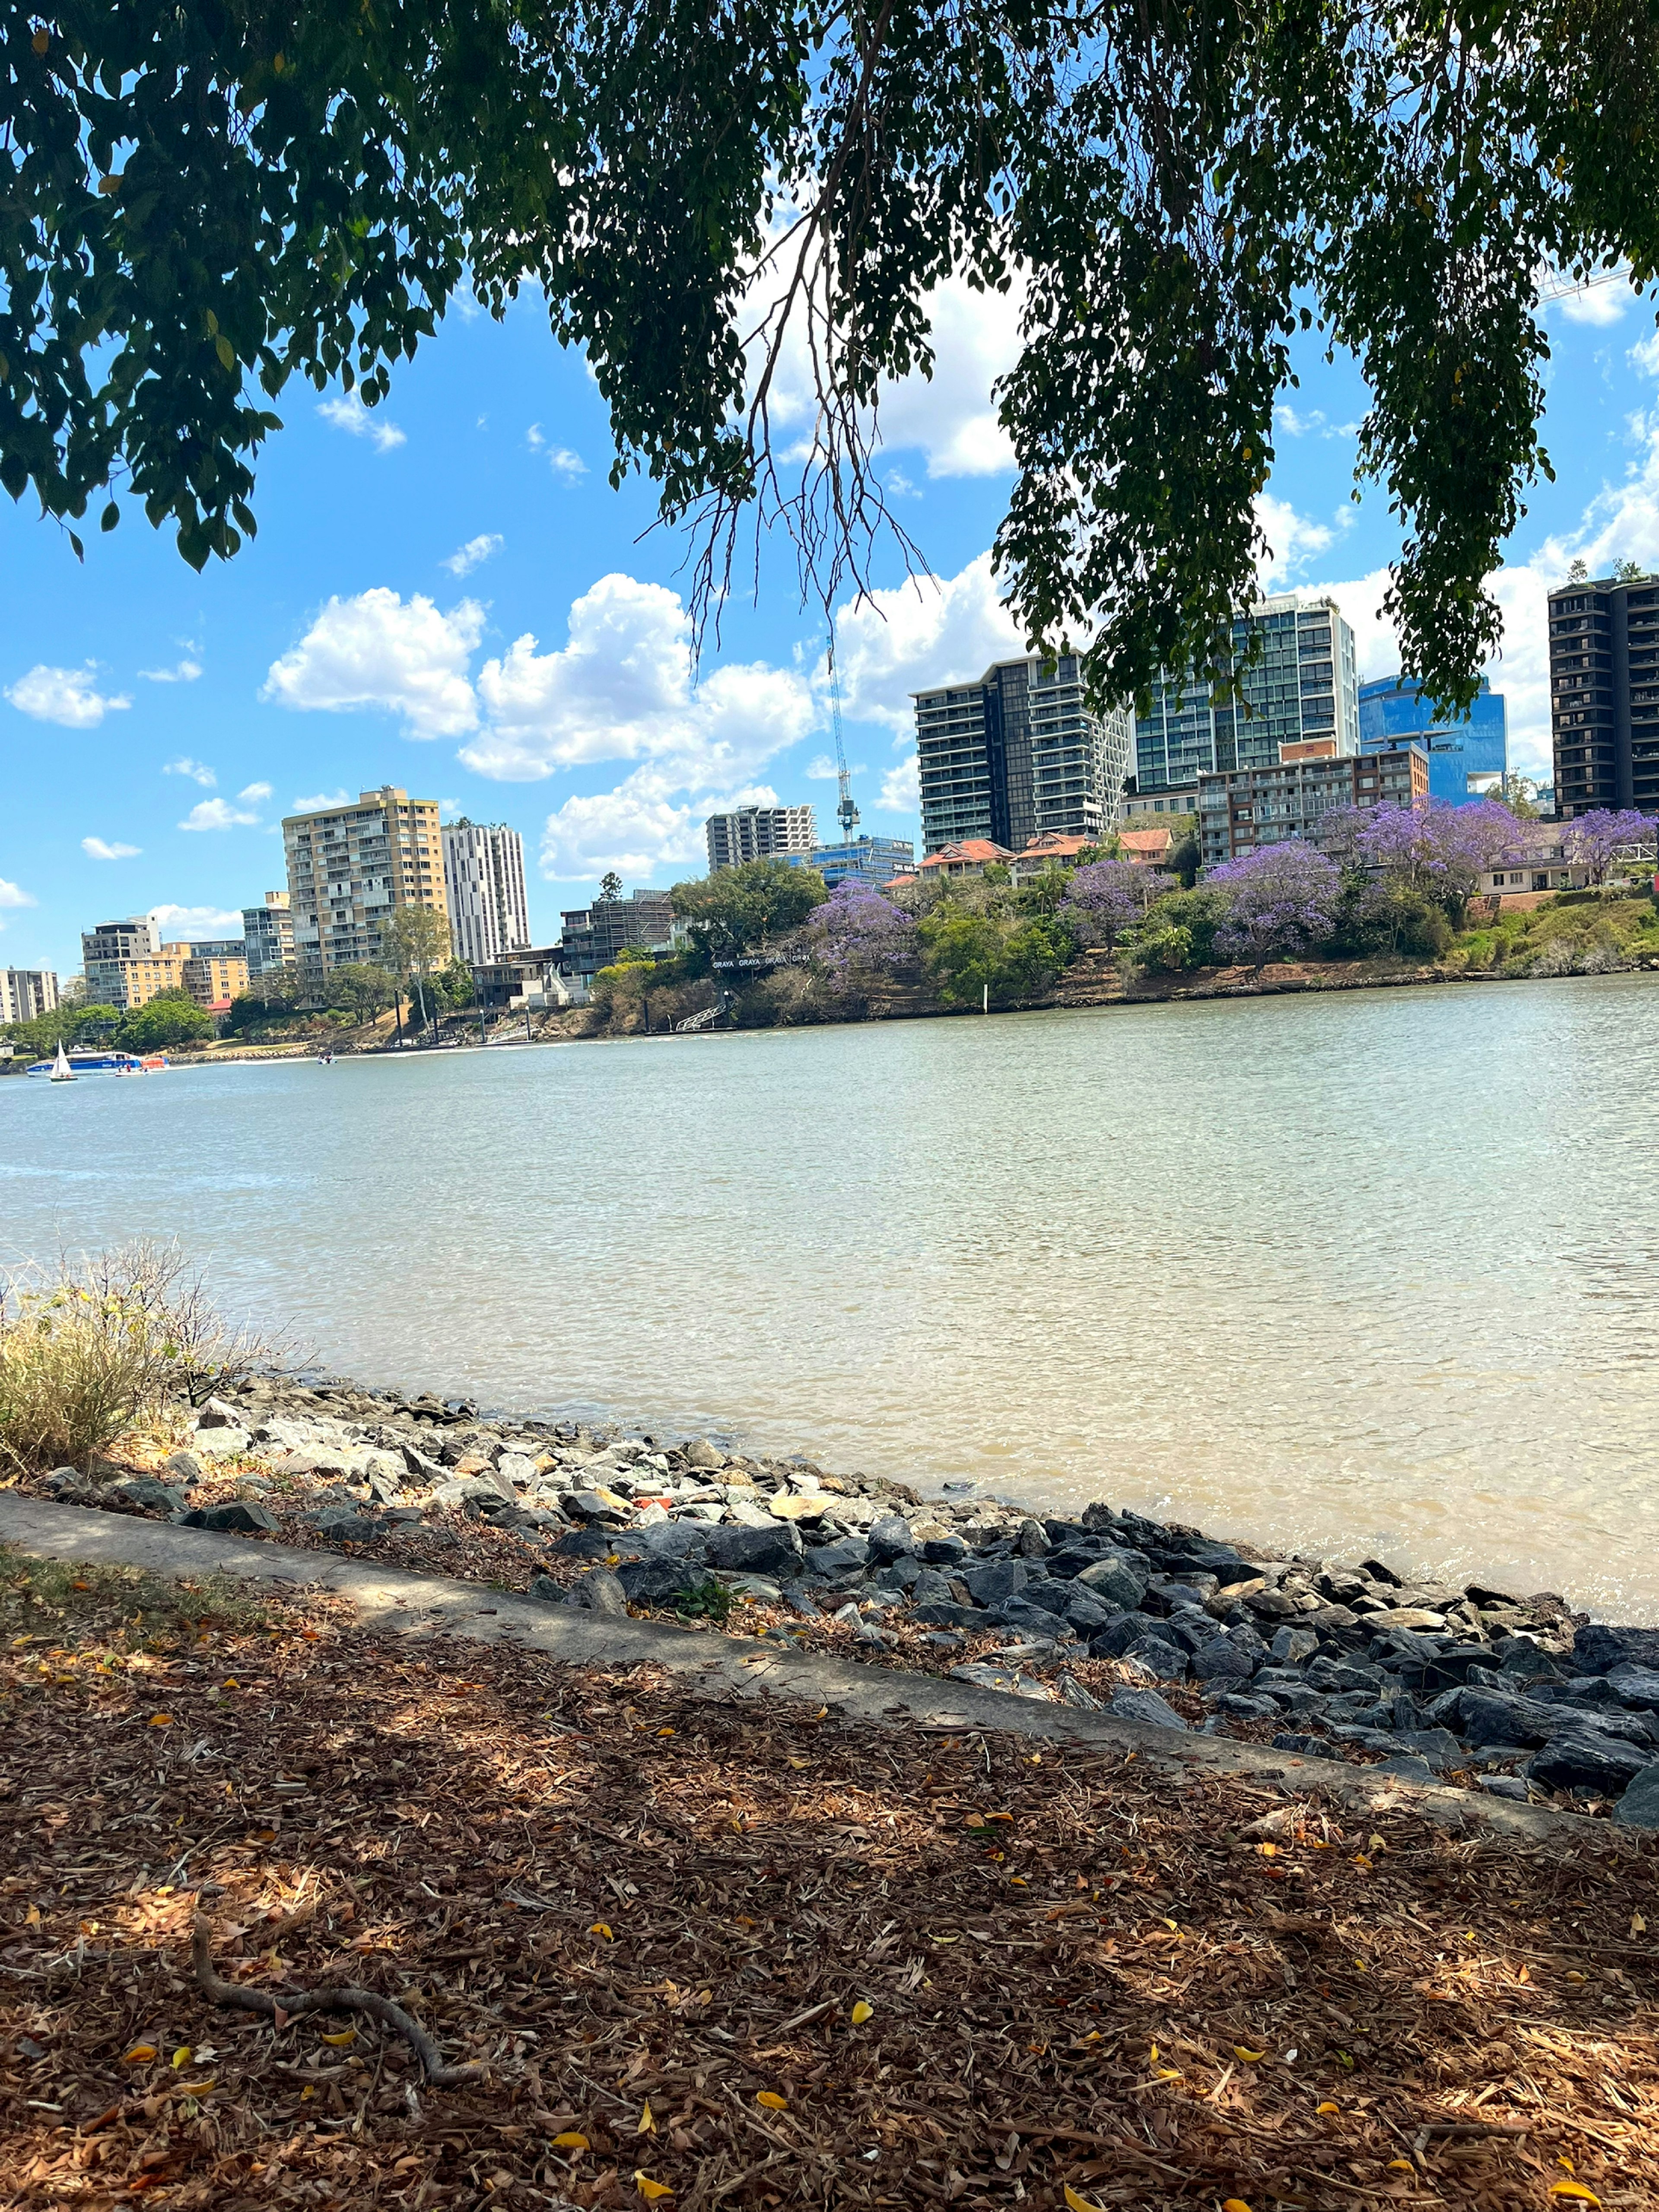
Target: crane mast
[{"x": 846, "y": 813}]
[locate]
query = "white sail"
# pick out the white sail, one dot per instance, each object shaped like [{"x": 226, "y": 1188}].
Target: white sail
[{"x": 63, "y": 1072}]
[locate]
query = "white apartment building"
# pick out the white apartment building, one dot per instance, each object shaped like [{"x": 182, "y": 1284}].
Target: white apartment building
[
  {"x": 483, "y": 884},
  {"x": 25, "y": 993},
  {"x": 758, "y": 833}
]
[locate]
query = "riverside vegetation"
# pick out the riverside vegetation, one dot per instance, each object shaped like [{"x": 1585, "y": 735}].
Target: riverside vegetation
[{"x": 1509, "y": 1693}]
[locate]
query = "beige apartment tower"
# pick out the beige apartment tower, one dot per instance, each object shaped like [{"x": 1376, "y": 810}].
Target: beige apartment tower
[{"x": 350, "y": 868}]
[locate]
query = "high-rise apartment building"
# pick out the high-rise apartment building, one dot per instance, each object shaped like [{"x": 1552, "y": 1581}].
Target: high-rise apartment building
[
  {"x": 1468, "y": 755},
  {"x": 1016, "y": 755},
  {"x": 349, "y": 869},
  {"x": 1304, "y": 794},
  {"x": 211, "y": 974},
  {"x": 268, "y": 935},
  {"x": 483, "y": 884},
  {"x": 1604, "y": 694},
  {"x": 25, "y": 993},
  {"x": 758, "y": 833},
  {"x": 1302, "y": 683},
  {"x": 126, "y": 964}
]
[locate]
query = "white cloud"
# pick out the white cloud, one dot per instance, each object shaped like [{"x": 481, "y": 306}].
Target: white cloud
[
  {"x": 567, "y": 465},
  {"x": 68, "y": 696},
  {"x": 1293, "y": 540},
  {"x": 900, "y": 789},
  {"x": 346, "y": 412},
  {"x": 473, "y": 554},
  {"x": 321, "y": 801},
  {"x": 921, "y": 633},
  {"x": 178, "y": 925},
  {"x": 254, "y": 791},
  {"x": 374, "y": 651},
  {"x": 219, "y": 814},
  {"x": 186, "y": 671},
  {"x": 1645, "y": 356},
  {"x": 622, "y": 690},
  {"x": 98, "y": 848},
  {"x": 11, "y": 895},
  {"x": 645, "y": 826},
  {"x": 198, "y": 771},
  {"x": 448, "y": 809},
  {"x": 1598, "y": 304}
]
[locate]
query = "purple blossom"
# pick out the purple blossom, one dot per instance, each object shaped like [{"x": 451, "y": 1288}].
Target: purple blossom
[
  {"x": 1596, "y": 839},
  {"x": 1109, "y": 896},
  {"x": 856, "y": 930},
  {"x": 1282, "y": 902},
  {"x": 1438, "y": 849}
]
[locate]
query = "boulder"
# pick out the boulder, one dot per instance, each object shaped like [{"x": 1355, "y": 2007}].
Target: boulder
[
  {"x": 1113, "y": 1642},
  {"x": 1164, "y": 1662},
  {"x": 1402, "y": 1766},
  {"x": 150, "y": 1496},
  {"x": 773, "y": 1550},
  {"x": 340, "y": 1524},
  {"x": 1088, "y": 1612},
  {"x": 699, "y": 1453},
  {"x": 1332, "y": 1675},
  {"x": 1597, "y": 1649},
  {"x": 239, "y": 1517},
  {"x": 585, "y": 1544},
  {"x": 1639, "y": 1806},
  {"x": 220, "y": 1444},
  {"x": 800, "y": 1506},
  {"x": 517, "y": 1469},
  {"x": 1439, "y": 1745},
  {"x": 943, "y": 1551},
  {"x": 184, "y": 1467},
  {"x": 1292, "y": 1646},
  {"x": 945, "y": 1613},
  {"x": 1310, "y": 1747},
  {"x": 1273, "y": 1605},
  {"x": 598, "y": 1591},
  {"x": 847, "y": 1555},
  {"x": 890, "y": 1538},
  {"x": 651, "y": 1582},
  {"x": 1121, "y": 1577},
  {"x": 1032, "y": 1541},
  {"x": 1239, "y": 1706},
  {"x": 1635, "y": 1687},
  {"x": 1146, "y": 1707},
  {"x": 218, "y": 1414},
  {"x": 996, "y": 1582},
  {"x": 1589, "y": 1759}
]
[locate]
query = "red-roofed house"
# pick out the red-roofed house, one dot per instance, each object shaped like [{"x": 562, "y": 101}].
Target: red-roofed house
[
  {"x": 971, "y": 857},
  {"x": 1147, "y": 849}
]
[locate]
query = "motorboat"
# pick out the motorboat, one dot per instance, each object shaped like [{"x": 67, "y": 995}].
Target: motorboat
[{"x": 70, "y": 1065}]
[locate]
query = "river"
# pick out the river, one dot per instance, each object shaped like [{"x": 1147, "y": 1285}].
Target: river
[{"x": 1367, "y": 1273}]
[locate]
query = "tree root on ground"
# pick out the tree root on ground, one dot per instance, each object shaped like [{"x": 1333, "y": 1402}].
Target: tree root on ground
[{"x": 296, "y": 2004}]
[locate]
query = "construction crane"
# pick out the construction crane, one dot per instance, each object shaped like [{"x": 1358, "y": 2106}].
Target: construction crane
[{"x": 846, "y": 813}]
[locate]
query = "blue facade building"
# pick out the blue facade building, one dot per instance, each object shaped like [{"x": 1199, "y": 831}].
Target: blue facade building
[
  {"x": 869, "y": 860},
  {"x": 1467, "y": 759}
]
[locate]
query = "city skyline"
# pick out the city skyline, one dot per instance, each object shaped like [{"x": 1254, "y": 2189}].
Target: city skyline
[{"x": 446, "y": 593}]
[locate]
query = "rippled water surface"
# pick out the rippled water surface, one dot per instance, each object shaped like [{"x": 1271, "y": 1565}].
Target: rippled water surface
[{"x": 1367, "y": 1272}]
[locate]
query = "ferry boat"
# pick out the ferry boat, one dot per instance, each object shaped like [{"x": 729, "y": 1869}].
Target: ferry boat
[{"x": 100, "y": 1063}]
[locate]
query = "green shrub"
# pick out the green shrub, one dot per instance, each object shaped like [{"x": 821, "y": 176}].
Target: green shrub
[{"x": 1165, "y": 949}]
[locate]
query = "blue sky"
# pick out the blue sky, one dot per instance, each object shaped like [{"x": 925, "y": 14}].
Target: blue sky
[{"x": 447, "y": 595}]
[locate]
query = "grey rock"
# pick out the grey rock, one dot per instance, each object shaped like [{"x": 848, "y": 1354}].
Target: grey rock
[
  {"x": 1636, "y": 1687},
  {"x": 1598, "y": 1649},
  {"x": 1510, "y": 1786},
  {"x": 996, "y": 1582},
  {"x": 1439, "y": 1745},
  {"x": 341, "y": 1525},
  {"x": 1291, "y": 1646},
  {"x": 598, "y": 1591},
  {"x": 1089, "y": 1613},
  {"x": 417, "y": 1463},
  {"x": 1121, "y": 1577},
  {"x": 185, "y": 1466},
  {"x": 218, "y": 1414},
  {"x": 1146, "y": 1705},
  {"x": 701, "y": 1454},
  {"x": 1484, "y": 1717},
  {"x": 1222, "y": 1659},
  {"x": 220, "y": 1444},
  {"x": 944, "y": 1639},
  {"x": 1521, "y": 1659},
  {"x": 1588, "y": 1758},
  {"x": 1344, "y": 1675},
  {"x": 1044, "y": 1595},
  {"x": 1298, "y": 1699},
  {"x": 1166, "y": 1662},
  {"x": 1032, "y": 1541},
  {"x": 516, "y": 1468},
  {"x": 1639, "y": 1806},
  {"x": 930, "y": 1586},
  {"x": 801, "y": 1602},
  {"x": 848, "y": 1555},
  {"x": 771, "y": 1551},
  {"x": 900, "y": 1574},
  {"x": 152, "y": 1497},
  {"x": 890, "y": 1538},
  {"x": 943, "y": 1551},
  {"x": 583, "y": 1544},
  {"x": 1072, "y": 1693},
  {"x": 1113, "y": 1642},
  {"x": 867, "y": 1632},
  {"x": 1273, "y": 1605},
  {"x": 237, "y": 1517},
  {"x": 1241, "y": 1707},
  {"x": 546, "y": 1591},
  {"x": 654, "y": 1582},
  {"x": 945, "y": 1613},
  {"x": 462, "y": 1490},
  {"x": 583, "y": 1505},
  {"x": 1404, "y": 1767},
  {"x": 1309, "y": 1747}
]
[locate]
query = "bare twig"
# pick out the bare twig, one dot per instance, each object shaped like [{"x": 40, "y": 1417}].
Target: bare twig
[{"x": 297, "y": 2003}]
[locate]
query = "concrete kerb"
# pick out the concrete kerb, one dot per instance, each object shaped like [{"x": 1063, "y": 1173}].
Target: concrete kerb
[{"x": 418, "y": 1607}]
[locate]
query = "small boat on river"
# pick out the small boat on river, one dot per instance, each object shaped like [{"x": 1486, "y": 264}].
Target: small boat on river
[{"x": 69, "y": 1065}]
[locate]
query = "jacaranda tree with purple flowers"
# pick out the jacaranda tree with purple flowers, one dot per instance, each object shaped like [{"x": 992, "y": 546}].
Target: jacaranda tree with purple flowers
[
  {"x": 1107, "y": 897},
  {"x": 1596, "y": 840},
  {"x": 857, "y": 934},
  {"x": 1437, "y": 849},
  {"x": 1282, "y": 903}
]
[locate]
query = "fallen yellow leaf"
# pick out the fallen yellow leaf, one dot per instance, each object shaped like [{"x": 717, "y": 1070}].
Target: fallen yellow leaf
[
  {"x": 182, "y": 2056},
  {"x": 161, "y": 1720},
  {"x": 652, "y": 2189},
  {"x": 1637, "y": 1925},
  {"x": 1576, "y": 2191},
  {"x": 1270, "y": 1850},
  {"x": 800, "y": 1762},
  {"x": 1248, "y": 2056},
  {"x": 570, "y": 2140},
  {"x": 338, "y": 2042},
  {"x": 1077, "y": 2203},
  {"x": 1327, "y": 2107},
  {"x": 1400, "y": 2165},
  {"x": 648, "y": 2126},
  {"x": 771, "y": 2099},
  {"x": 31, "y": 1917},
  {"x": 1234, "y": 2204},
  {"x": 861, "y": 2012},
  {"x": 140, "y": 2055},
  {"x": 665, "y": 1731},
  {"x": 599, "y": 1928},
  {"x": 1377, "y": 1843}
]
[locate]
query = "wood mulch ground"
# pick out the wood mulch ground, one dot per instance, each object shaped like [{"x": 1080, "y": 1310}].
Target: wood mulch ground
[{"x": 716, "y": 1953}]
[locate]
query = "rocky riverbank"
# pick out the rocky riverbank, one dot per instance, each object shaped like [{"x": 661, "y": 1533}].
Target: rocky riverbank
[{"x": 1512, "y": 1694}]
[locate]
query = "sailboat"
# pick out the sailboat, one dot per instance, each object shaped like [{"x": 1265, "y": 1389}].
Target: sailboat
[{"x": 62, "y": 1071}]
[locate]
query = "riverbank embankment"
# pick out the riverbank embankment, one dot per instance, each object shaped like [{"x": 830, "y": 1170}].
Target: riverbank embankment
[{"x": 1511, "y": 1694}]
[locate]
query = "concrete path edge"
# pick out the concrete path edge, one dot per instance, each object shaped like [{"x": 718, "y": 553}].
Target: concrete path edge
[{"x": 393, "y": 1601}]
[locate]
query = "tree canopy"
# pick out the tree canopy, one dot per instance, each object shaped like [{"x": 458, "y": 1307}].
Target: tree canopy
[
  {"x": 741, "y": 909},
  {"x": 209, "y": 198}
]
